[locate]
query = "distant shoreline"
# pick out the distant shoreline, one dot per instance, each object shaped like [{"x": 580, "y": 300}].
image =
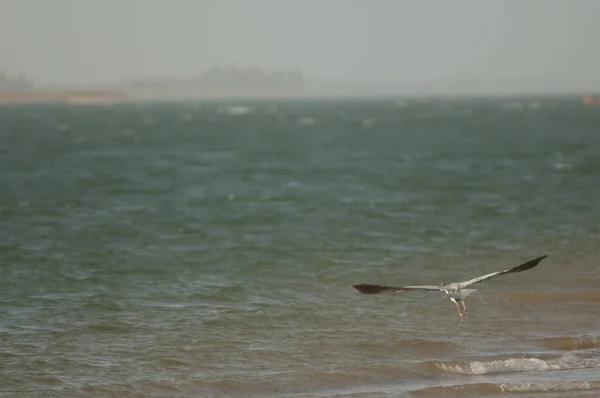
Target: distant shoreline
[
  {"x": 116, "y": 96},
  {"x": 63, "y": 96}
]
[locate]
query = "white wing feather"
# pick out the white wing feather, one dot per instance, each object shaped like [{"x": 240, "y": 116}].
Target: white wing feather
[{"x": 519, "y": 268}]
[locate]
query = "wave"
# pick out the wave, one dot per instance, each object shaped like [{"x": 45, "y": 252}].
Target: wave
[
  {"x": 422, "y": 348},
  {"x": 484, "y": 389},
  {"x": 569, "y": 343},
  {"x": 118, "y": 327},
  {"x": 235, "y": 110},
  {"x": 554, "y": 297},
  {"x": 567, "y": 361}
]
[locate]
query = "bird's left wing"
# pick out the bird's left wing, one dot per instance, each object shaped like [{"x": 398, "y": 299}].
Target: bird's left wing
[
  {"x": 519, "y": 268},
  {"x": 375, "y": 289}
]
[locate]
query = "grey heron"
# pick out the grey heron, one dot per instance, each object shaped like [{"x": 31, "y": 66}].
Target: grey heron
[{"x": 454, "y": 291}]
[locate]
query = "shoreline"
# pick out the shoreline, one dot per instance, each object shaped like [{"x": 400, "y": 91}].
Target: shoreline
[
  {"x": 64, "y": 96},
  {"x": 115, "y": 96}
]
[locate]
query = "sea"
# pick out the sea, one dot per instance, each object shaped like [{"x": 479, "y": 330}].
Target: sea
[{"x": 207, "y": 248}]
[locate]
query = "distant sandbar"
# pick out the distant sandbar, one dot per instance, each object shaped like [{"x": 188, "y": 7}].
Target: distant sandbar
[{"x": 69, "y": 96}]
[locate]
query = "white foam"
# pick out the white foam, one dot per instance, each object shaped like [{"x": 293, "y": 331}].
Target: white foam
[
  {"x": 512, "y": 365},
  {"x": 562, "y": 386},
  {"x": 306, "y": 121},
  {"x": 368, "y": 122},
  {"x": 186, "y": 117},
  {"x": 535, "y": 105},
  {"x": 513, "y": 105},
  {"x": 237, "y": 110},
  {"x": 562, "y": 166}
]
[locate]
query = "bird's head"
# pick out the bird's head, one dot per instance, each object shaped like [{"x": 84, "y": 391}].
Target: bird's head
[{"x": 443, "y": 287}]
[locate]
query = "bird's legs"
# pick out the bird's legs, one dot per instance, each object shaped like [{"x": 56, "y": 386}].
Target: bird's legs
[
  {"x": 457, "y": 307},
  {"x": 464, "y": 306}
]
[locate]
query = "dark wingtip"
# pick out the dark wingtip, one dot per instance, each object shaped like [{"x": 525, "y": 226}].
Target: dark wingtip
[
  {"x": 364, "y": 288},
  {"x": 529, "y": 264}
]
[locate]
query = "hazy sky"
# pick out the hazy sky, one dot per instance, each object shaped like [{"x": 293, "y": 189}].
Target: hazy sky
[{"x": 74, "y": 41}]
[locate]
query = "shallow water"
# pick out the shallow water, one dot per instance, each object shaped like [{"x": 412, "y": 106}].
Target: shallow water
[{"x": 205, "y": 249}]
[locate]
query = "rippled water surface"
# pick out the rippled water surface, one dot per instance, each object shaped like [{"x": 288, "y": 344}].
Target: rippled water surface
[{"x": 206, "y": 249}]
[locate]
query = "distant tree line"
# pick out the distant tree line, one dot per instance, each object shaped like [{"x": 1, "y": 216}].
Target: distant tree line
[
  {"x": 236, "y": 77},
  {"x": 18, "y": 82},
  {"x": 224, "y": 79}
]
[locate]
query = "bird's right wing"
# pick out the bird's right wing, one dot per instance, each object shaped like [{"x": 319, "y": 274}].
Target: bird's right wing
[
  {"x": 376, "y": 289},
  {"x": 519, "y": 268}
]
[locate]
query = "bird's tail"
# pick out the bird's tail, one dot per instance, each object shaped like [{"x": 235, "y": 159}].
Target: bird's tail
[{"x": 375, "y": 289}]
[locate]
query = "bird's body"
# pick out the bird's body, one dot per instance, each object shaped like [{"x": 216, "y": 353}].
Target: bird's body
[
  {"x": 456, "y": 291},
  {"x": 460, "y": 294}
]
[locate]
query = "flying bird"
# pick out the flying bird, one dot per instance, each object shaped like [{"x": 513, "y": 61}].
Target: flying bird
[{"x": 454, "y": 291}]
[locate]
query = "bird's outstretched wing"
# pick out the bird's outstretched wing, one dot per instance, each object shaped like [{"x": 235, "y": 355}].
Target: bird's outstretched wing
[
  {"x": 519, "y": 268},
  {"x": 375, "y": 289}
]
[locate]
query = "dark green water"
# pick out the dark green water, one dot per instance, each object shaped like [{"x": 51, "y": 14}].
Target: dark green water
[{"x": 205, "y": 249}]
